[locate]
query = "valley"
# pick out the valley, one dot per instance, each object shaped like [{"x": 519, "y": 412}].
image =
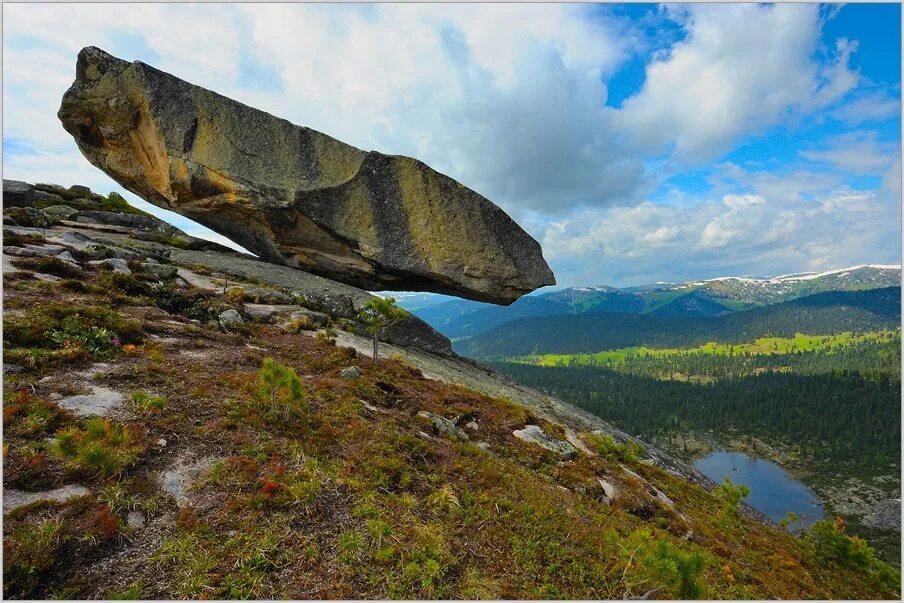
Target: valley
[{"x": 811, "y": 383}]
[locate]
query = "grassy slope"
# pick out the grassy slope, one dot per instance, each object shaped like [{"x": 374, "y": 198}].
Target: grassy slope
[{"x": 344, "y": 496}]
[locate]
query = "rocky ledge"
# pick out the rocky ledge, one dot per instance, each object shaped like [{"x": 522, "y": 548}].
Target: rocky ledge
[
  {"x": 292, "y": 195},
  {"x": 106, "y": 232}
]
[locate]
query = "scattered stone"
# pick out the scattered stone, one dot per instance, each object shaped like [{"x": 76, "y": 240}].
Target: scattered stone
[
  {"x": 535, "y": 435},
  {"x": 655, "y": 493},
  {"x": 117, "y": 264},
  {"x": 230, "y": 319},
  {"x": 472, "y": 425},
  {"x": 17, "y": 194},
  {"x": 60, "y": 212},
  {"x": 267, "y": 312},
  {"x": 485, "y": 446},
  {"x": 578, "y": 443},
  {"x": 293, "y": 195},
  {"x": 443, "y": 426},
  {"x": 98, "y": 403},
  {"x": 12, "y": 369},
  {"x": 94, "y": 371},
  {"x": 135, "y": 520},
  {"x": 350, "y": 372},
  {"x": 13, "y": 499},
  {"x": 162, "y": 443},
  {"x": 372, "y": 408},
  {"x": 610, "y": 492}
]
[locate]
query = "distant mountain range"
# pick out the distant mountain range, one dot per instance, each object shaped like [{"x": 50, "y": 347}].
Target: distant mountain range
[
  {"x": 460, "y": 319},
  {"x": 817, "y": 314}
]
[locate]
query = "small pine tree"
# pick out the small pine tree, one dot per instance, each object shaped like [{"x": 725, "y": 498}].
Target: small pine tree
[
  {"x": 730, "y": 496},
  {"x": 281, "y": 387},
  {"x": 378, "y": 314}
]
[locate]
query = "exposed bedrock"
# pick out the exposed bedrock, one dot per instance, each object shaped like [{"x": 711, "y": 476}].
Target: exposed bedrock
[{"x": 293, "y": 195}]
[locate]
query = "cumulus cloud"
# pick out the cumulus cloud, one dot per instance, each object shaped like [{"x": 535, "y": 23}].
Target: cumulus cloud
[
  {"x": 737, "y": 234},
  {"x": 741, "y": 69}
]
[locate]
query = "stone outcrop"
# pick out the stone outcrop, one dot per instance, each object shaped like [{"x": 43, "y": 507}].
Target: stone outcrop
[{"x": 293, "y": 195}]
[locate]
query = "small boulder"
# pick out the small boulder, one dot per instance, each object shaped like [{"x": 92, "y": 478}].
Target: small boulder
[
  {"x": 60, "y": 212},
  {"x": 17, "y": 194},
  {"x": 231, "y": 319},
  {"x": 116, "y": 264},
  {"x": 350, "y": 372},
  {"x": 267, "y": 312},
  {"x": 45, "y": 198},
  {"x": 135, "y": 520},
  {"x": 163, "y": 271},
  {"x": 26, "y": 216},
  {"x": 535, "y": 435},
  {"x": 308, "y": 319},
  {"x": 80, "y": 190},
  {"x": 443, "y": 426}
]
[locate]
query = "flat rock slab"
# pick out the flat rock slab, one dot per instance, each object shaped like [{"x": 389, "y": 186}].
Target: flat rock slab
[
  {"x": 535, "y": 435},
  {"x": 177, "y": 480},
  {"x": 200, "y": 281},
  {"x": 100, "y": 402},
  {"x": 13, "y": 499}
]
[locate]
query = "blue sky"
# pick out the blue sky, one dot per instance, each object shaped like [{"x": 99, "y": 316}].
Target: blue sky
[{"x": 636, "y": 142}]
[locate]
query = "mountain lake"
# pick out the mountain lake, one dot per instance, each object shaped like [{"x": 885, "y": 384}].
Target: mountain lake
[{"x": 772, "y": 491}]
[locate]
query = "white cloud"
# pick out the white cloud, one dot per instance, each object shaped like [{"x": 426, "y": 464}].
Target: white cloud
[
  {"x": 857, "y": 152},
  {"x": 736, "y": 235},
  {"x": 741, "y": 69},
  {"x": 875, "y": 106}
]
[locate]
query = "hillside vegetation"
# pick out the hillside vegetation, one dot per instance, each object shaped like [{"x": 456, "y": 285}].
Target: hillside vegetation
[{"x": 256, "y": 460}]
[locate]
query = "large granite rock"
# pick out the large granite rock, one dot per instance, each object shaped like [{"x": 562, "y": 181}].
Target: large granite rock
[
  {"x": 292, "y": 195},
  {"x": 18, "y": 194}
]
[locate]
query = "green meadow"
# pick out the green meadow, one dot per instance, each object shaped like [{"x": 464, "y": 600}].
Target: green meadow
[{"x": 764, "y": 346}]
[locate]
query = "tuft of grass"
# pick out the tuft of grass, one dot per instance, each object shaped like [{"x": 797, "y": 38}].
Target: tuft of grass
[
  {"x": 606, "y": 446},
  {"x": 148, "y": 403},
  {"x": 99, "y": 447}
]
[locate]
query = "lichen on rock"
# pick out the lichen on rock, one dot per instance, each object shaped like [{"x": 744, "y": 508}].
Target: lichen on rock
[{"x": 293, "y": 195}]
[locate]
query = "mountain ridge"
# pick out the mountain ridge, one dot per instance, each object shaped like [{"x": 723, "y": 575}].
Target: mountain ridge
[{"x": 461, "y": 318}]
